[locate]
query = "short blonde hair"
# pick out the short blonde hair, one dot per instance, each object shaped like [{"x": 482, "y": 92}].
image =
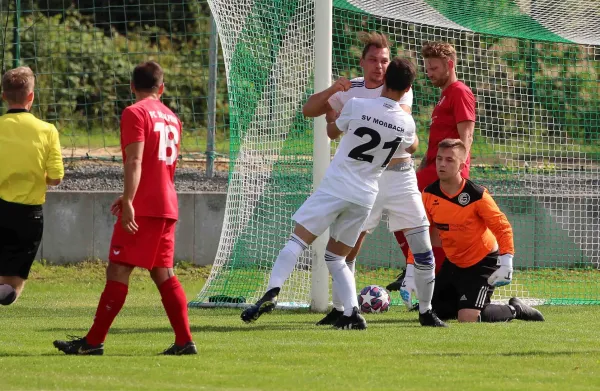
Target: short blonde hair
[
  {"x": 442, "y": 50},
  {"x": 17, "y": 84},
  {"x": 449, "y": 143}
]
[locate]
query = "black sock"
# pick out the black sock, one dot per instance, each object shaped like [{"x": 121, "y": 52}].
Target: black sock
[{"x": 497, "y": 313}]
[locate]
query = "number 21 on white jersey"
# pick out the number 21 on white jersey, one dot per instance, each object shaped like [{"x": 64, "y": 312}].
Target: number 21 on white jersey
[{"x": 165, "y": 131}]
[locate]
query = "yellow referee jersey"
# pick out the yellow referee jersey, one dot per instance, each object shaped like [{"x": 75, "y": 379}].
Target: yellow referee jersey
[{"x": 29, "y": 151}]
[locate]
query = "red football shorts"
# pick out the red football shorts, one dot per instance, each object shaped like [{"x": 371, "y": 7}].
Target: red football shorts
[
  {"x": 153, "y": 245},
  {"x": 426, "y": 177}
]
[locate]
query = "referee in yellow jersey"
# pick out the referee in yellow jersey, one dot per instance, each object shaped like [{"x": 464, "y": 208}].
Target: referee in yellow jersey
[{"x": 30, "y": 159}]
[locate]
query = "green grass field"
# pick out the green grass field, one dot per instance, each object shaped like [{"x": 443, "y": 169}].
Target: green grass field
[{"x": 283, "y": 351}]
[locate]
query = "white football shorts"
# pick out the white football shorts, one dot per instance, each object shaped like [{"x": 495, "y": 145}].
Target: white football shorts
[
  {"x": 399, "y": 196},
  {"x": 344, "y": 219}
]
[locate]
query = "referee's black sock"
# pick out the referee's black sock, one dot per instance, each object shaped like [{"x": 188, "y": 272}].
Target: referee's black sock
[
  {"x": 497, "y": 313},
  {"x": 7, "y": 294}
]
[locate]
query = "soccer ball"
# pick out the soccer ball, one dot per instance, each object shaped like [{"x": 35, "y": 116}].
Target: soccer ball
[{"x": 373, "y": 299}]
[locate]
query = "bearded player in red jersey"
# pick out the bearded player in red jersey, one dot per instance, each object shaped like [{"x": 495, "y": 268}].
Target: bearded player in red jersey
[
  {"x": 453, "y": 117},
  {"x": 144, "y": 234}
]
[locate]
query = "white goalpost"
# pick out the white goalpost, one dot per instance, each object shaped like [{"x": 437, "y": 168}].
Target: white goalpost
[
  {"x": 534, "y": 71},
  {"x": 322, "y": 147}
]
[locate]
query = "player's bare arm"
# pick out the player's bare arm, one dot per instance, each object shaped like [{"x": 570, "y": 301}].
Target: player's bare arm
[
  {"x": 133, "y": 173},
  {"x": 333, "y": 132},
  {"x": 318, "y": 103},
  {"x": 331, "y": 115},
  {"x": 465, "y": 131},
  {"x": 406, "y": 108},
  {"x": 413, "y": 148}
]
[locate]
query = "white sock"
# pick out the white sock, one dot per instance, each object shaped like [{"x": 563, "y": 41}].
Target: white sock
[
  {"x": 285, "y": 262},
  {"x": 335, "y": 297},
  {"x": 425, "y": 282},
  {"x": 351, "y": 265},
  {"x": 343, "y": 281},
  {"x": 420, "y": 245}
]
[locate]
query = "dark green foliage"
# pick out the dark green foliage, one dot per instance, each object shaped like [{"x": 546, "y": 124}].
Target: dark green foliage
[{"x": 83, "y": 55}]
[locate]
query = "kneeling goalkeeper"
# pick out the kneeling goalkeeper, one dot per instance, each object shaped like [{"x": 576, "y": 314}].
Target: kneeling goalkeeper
[{"x": 478, "y": 241}]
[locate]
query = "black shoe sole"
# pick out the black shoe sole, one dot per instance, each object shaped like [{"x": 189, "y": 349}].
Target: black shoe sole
[
  {"x": 91, "y": 352},
  {"x": 434, "y": 323},
  {"x": 264, "y": 308},
  {"x": 526, "y": 312},
  {"x": 329, "y": 322},
  {"x": 184, "y": 352},
  {"x": 355, "y": 326}
]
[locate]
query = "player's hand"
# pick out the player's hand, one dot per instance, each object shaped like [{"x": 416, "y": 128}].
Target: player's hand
[
  {"x": 128, "y": 217},
  {"x": 502, "y": 276},
  {"x": 408, "y": 287},
  {"x": 341, "y": 84},
  {"x": 116, "y": 207}
]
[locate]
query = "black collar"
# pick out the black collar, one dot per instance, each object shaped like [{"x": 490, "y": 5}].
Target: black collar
[{"x": 14, "y": 111}]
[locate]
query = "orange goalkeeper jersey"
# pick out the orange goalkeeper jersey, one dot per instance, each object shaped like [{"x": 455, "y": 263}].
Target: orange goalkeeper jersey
[{"x": 470, "y": 223}]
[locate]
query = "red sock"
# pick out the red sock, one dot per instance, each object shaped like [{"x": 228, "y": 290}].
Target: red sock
[
  {"x": 111, "y": 302},
  {"x": 401, "y": 239},
  {"x": 440, "y": 257},
  {"x": 175, "y": 303}
]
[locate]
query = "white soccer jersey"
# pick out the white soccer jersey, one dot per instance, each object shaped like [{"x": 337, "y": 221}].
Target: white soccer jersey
[
  {"x": 358, "y": 90},
  {"x": 373, "y": 130}
]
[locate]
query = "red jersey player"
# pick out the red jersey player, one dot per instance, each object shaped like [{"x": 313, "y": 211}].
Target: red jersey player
[
  {"x": 144, "y": 234},
  {"x": 453, "y": 117}
]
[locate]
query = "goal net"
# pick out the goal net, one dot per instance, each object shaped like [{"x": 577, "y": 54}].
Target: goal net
[{"x": 534, "y": 67}]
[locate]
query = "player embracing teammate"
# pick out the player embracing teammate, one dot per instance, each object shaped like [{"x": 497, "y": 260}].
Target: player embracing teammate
[
  {"x": 398, "y": 194},
  {"x": 376, "y": 131}
]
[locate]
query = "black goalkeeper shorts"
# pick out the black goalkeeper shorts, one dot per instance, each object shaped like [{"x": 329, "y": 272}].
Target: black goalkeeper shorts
[
  {"x": 459, "y": 288},
  {"x": 21, "y": 228}
]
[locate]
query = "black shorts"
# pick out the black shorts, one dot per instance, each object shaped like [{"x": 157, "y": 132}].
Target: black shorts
[
  {"x": 21, "y": 228},
  {"x": 459, "y": 288}
]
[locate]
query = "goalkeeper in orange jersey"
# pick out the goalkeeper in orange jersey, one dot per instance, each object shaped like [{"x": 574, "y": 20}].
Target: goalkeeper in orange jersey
[{"x": 478, "y": 241}]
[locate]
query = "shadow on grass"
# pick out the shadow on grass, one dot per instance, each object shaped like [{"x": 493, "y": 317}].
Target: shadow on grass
[
  {"x": 57, "y": 353},
  {"x": 194, "y": 329},
  {"x": 509, "y": 354},
  {"x": 532, "y": 353},
  {"x": 377, "y": 320}
]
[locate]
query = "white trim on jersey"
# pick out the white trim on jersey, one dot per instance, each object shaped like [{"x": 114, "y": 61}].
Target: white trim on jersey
[
  {"x": 358, "y": 90},
  {"x": 480, "y": 302}
]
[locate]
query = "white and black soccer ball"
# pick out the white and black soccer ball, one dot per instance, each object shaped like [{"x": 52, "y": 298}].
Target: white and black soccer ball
[{"x": 373, "y": 299}]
